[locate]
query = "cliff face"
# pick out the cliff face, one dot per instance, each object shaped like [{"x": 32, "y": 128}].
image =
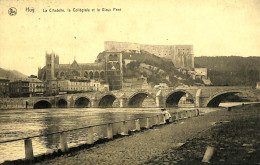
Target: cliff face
[{"x": 231, "y": 70}]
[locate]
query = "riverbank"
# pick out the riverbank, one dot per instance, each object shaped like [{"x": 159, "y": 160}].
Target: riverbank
[
  {"x": 151, "y": 145},
  {"x": 14, "y": 103},
  {"x": 235, "y": 141},
  {"x": 146, "y": 146},
  {"x": 39, "y": 124}
]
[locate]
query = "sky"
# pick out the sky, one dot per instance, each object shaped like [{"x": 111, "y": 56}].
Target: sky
[{"x": 213, "y": 27}]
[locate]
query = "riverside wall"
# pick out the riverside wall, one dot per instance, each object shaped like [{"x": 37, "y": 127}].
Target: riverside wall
[{"x": 14, "y": 103}]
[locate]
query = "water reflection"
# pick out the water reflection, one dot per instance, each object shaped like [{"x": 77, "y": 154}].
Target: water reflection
[
  {"x": 50, "y": 124},
  {"x": 23, "y": 123}
]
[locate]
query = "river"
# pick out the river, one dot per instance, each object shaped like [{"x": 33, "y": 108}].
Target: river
[{"x": 21, "y": 123}]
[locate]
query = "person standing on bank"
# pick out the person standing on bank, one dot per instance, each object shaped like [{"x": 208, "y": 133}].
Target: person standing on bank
[{"x": 167, "y": 115}]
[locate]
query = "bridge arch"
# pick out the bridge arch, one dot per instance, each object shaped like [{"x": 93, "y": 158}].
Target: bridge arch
[
  {"x": 82, "y": 102},
  {"x": 173, "y": 98},
  {"x": 41, "y": 104},
  {"x": 137, "y": 100},
  {"x": 107, "y": 101},
  {"x": 62, "y": 103},
  {"x": 217, "y": 98}
]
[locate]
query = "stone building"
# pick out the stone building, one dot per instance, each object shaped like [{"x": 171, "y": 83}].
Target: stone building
[
  {"x": 19, "y": 88},
  {"x": 73, "y": 86},
  {"x": 201, "y": 73},
  {"x": 53, "y": 70},
  {"x": 28, "y": 87},
  {"x": 79, "y": 86},
  {"x": 114, "y": 70},
  {"x": 4, "y": 87},
  {"x": 182, "y": 56},
  {"x": 36, "y": 86},
  {"x": 98, "y": 74}
]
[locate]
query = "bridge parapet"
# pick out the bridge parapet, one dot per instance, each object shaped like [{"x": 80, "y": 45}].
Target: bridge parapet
[{"x": 125, "y": 98}]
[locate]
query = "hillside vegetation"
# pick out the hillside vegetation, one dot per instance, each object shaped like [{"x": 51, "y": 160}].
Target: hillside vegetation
[
  {"x": 157, "y": 70},
  {"x": 11, "y": 74},
  {"x": 231, "y": 70}
]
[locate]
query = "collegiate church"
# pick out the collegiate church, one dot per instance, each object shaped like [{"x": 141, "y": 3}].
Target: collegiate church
[{"x": 107, "y": 70}]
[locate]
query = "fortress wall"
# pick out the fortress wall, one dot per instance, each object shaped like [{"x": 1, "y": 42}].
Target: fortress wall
[
  {"x": 181, "y": 55},
  {"x": 165, "y": 51},
  {"x": 184, "y": 49},
  {"x": 183, "y": 61},
  {"x": 184, "y": 57},
  {"x": 121, "y": 46}
]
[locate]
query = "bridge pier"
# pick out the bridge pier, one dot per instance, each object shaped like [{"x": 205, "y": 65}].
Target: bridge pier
[
  {"x": 70, "y": 101},
  {"x": 198, "y": 98},
  {"x": 159, "y": 99},
  {"x": 94, "y": 103},
  {"x": 69, "y": 105},
  {"x": 201, "y": 97},
  {"x": 123, "y": 102}
]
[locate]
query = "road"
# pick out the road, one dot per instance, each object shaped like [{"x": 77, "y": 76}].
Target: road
[{"x": 143, "y": 146}]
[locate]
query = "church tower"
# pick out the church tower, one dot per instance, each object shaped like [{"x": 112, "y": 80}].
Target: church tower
[
  {"x": 114, "y": 70},
  {"x": 51, "y": 60}
]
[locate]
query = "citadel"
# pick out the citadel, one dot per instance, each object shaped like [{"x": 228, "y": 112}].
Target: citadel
[
  {"x": 109, "y": 69},
  {"x": 106, "y": 73},
  {"x": 181, "y": 55}
]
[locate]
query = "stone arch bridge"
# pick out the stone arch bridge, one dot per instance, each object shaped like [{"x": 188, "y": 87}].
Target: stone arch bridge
[{"x": 168, "y": 97}]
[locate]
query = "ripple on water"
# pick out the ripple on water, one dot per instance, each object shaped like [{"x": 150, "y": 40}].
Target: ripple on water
[{"x": 23, "y": 123}]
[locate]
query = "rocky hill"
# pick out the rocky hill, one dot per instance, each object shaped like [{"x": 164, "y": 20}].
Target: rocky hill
[
  {"x": 11, "y": 74},
  {"x": 231, "y": 70},
  {"x": 156, "y": 69}
]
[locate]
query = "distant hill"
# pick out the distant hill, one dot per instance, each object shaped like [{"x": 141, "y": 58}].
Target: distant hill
[
  {"x": 156, "y": 69},
  {"x": 12, "y": 75},
  {"x": 231, "y": 70}
]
